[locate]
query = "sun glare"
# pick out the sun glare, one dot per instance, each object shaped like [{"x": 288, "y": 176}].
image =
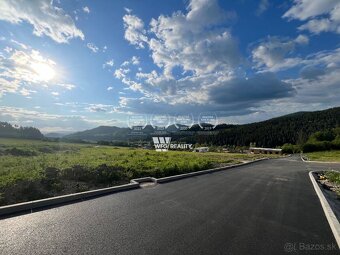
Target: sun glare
[{"x": 44, "y": 72}]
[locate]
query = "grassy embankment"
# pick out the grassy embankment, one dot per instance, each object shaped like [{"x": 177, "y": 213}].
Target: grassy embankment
[
  {"x": 331, "y": 156},
  {"x": 31, "y": 169},
  {"x": 331, "y": 180}
]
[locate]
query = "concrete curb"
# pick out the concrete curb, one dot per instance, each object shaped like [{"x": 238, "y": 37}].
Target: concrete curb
[
  {"x": 29, "y": 206},
  {"x": 310, "y": 161},
  {"x": 134, "y": 184},
  {"x": 331, "y": 218}
]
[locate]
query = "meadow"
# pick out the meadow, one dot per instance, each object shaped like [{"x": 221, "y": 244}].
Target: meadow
[
  {"x": 330, "y": 156},
  {"x": 33, "y": 169}
]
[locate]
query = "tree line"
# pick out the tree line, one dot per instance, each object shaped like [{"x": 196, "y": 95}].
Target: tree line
[
  {"x": 13, "y": 131},
  {"x": 293, "y": 129}
]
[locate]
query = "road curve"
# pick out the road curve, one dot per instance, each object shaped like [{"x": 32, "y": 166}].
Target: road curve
[{"x": 269, "y": 207}]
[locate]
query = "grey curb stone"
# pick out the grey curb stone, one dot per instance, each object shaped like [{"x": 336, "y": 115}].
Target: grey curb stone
[{"x": 331, "y": 218}]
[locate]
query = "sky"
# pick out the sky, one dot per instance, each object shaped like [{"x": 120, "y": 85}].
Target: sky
[{"x": 67, "y": 66}]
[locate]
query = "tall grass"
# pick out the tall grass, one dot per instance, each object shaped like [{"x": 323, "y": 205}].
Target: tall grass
[{"x": 76, "y": 167}]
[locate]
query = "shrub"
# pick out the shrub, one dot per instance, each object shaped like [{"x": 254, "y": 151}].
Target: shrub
[
  {"x": 51, "y": 173},
  {"x": 316, "y": 146},
  {"x": 23, "y": 190},
  {"x": 77, "y": 173},
  {"x": 107, "y": 174},
  {"x": 19, "y": 152},
  {"x": 290, "y": 148},
  {"x": 336, "y": 144},
  {"x": 46, "y": 150}
]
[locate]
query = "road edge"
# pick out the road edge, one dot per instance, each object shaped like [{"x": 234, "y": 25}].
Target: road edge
[
  {"x": 134, "y": 184},
  {"x": 331, "y": 218}
]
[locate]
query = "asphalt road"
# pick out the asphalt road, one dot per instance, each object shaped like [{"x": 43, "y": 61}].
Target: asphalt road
[{"x": 269, "y": 207}]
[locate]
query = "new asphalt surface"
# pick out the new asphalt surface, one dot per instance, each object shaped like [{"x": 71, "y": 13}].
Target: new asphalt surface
[{"x": 269, "y": 207}]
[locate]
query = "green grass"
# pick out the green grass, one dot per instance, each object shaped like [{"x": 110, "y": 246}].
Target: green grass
[
  {"x": 333, "y": 176},
  {"x": 332, "y": 156},
  {"x": 25, "y": 166}
]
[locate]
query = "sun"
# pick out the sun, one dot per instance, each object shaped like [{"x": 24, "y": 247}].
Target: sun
[{"x": 43, "y": 71}]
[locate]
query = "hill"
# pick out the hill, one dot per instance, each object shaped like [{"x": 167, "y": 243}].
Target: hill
[
  {"x": 292, "y": 128},
  {"x": 101, "y": 133}
]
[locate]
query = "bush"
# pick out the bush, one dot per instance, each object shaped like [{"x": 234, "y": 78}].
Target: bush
[
  {"x": 77, "y": 173},
  {"x": 19, "y": 152},
  {"x": 23, "y": 190},
  {"x": 336, "y": 144},
  {"x": 52, "y": 173},
  {"x": 316, "y": 146},
  {"x": 107, "y": 174},
  {"x": 290, "y": 148}
]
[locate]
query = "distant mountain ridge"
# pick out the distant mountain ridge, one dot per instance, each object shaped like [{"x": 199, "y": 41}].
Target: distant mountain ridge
[
  {"x": 101, "y": 133},
  {"x": 292, "y": 128}
]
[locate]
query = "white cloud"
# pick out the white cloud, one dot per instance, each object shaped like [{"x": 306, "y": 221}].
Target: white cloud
[
  {"x": 196, "y": 54},
  {"x": 134, "y": 30},
  {"x": 128, "y": 10},
  {"x": 52, "y": 122},
  {"x": 321, "y": 15},
  {"x": 99, "y": 108},
  {"x": 92, "y": 47},
  {"x": 26, "y": 92},
  {"x": 135, "y": 60},
  {"x": 272, "y": 53},
  {"x": 54, "y": 93},
  {"x": 263, "y": 6},
  {"x": 304, "y": 9},
  {"x": 22, "y": 45},
  {"x": 301, "y": 39},
  {"x": 86, "y": 9},
  {"x": 109, "y": 88},
  {"x": 120, "y": 73},
  {"x": 189, "y": 41},
  {"x": 8, "y": 49},
  {"x": 8, "y": 86},
  {"x": 316, "y": 26},
  {"x": 108, "y": 63},
  {"x": 45, "y": 18},
  {"x": 67, "y": 86},
  {"x": 199, "y": 68}
]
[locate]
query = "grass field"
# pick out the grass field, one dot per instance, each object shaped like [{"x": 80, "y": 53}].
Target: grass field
[
  {"x": 32, "y": 169},
  {"x": 333, "y": 176},
  {"x": 331, "y": 156}
]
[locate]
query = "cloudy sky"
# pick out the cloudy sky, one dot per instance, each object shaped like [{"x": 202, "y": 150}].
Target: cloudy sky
[{"x": 73, "y": 65}]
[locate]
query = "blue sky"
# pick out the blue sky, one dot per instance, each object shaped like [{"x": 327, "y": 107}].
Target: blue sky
[{"x": 73, "y": 65}]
